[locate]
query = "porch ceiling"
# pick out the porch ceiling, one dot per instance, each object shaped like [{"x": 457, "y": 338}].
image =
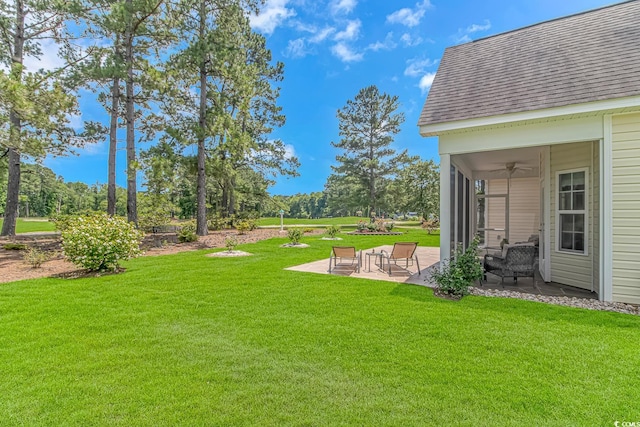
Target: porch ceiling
[{"x": 493, "y": 164}]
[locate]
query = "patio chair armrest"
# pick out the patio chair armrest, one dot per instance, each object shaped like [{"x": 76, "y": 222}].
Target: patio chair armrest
[{"x": 493, "y": 257}]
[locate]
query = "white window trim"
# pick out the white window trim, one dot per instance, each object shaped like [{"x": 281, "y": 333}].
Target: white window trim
[{"x": 586, "y": 211}]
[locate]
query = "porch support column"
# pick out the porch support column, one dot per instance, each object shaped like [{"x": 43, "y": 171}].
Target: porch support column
[
  {"x": 445, "y": 206},
  {"x": 606, "y": 212}
]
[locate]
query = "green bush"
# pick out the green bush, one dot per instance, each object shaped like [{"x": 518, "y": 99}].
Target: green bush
[
  {"x": 187, "y": 232},
  {"x": 217, "y": 222},
  {"x": 14, "y": 246},
  {"x": 152, "y": 219},
  {"x": 294, "y": 235},
  {"x": 231, "y": 243},
  {"x": 430, "y": 225},
  {"x": 99, "y": 241},
  {"x": 243, "y": 227},
  {"x": 308, "y": 230},
  {"x": 35, "y": 257},
  {"x": 333, "y": 231},
  {"x": 62, "y": 222},
  {"x": 457, "y": 274}
]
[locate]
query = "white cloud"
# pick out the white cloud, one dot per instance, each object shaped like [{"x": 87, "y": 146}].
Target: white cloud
[
  {"x": 351, "y": 32},
  {"x": 272, "y": 15},
  {"x": 477, "y": 27},
  {"x": 304, "y": 27},
  {"x": 96, "y": 149},
  {"x": 464, "y": 35},
  {"x": 289, "y": 151},
  {"x": 75, "y": 121},
  {"x": 416, "y": 67},
  {"x": 322, "y": 35},
  {"x": 426, "y": 81},
  {"x": 342, "y": 6},
  {"x": 387, "y": 44},
  {"x": 49, "y": 60},
  {"x": 296, "y": 49},
  {"x": 345, "y": 53},
  {"x": 409, "y": 17},
  {"x": 409, "y": 41}
]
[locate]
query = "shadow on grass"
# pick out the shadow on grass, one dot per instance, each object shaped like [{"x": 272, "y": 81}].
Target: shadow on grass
[{"x": 531, "y": 310}]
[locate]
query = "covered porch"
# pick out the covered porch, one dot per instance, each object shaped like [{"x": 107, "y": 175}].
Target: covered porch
[{"x": 546, "y": 196}]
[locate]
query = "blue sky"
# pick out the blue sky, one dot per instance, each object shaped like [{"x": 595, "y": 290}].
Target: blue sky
[{"x": 333, "y": 48}]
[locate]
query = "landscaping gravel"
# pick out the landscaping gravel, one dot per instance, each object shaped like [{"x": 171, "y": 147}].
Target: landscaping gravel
[{"x": 591, "y": 304}]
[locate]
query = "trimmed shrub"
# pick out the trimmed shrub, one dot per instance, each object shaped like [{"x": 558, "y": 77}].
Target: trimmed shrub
[
  {"x": 430, "y": 225},
  {"x": 294, "y": 235},
  {"x": 308, "y": 230},
  {"x": 35, "y": 257},
  {"x": 99, "y": 242},
  {"x": 333, "y": 231},
  {"x": 243, "y": 227},
  {"x": 457, "y": 274},
  {"x": 187, "y": 232},
  {"x": 231, "y": 243}
]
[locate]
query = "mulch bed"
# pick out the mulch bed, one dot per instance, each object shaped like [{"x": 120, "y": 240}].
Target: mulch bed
[
  {"x": 13, "y": 267},
  {"x": 375, "y": 233}
]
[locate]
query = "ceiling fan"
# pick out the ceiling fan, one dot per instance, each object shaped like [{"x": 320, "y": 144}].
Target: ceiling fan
[{"x": 510, "y": 168}]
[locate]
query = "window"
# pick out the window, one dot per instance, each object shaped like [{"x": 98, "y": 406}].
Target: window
[{"x": 572, "y": 211}]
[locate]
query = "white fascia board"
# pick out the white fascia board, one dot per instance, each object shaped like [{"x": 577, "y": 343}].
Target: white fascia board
[
  {"x": 591, "y": 107},
  {"x": 527, "y": 134}
]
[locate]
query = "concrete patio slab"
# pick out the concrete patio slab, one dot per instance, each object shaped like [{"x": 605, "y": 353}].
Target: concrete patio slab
[
  {"x": 370, "y": 269},
  {"x": 429, "y": 257}
]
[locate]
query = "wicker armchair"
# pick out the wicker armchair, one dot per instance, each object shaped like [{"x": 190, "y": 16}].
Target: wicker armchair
[{"x": 518, "y": 261}]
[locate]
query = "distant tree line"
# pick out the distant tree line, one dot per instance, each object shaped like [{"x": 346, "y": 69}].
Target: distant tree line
[{"x": 415, "y": 188}]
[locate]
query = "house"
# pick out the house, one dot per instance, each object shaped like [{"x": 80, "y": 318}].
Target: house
[{"x": 539, "y": 134}]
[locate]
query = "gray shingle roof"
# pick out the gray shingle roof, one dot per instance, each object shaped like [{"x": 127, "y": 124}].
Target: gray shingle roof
[{"x": 580, "y": 58}]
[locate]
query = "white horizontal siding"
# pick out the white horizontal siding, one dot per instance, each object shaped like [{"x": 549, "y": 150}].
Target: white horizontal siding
[
  {"x": 567, "y": 268},
  {"x": 524, "y": 209},
  {"x": 626, "y": 208}
]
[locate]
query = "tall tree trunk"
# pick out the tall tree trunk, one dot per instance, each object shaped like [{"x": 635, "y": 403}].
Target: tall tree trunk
[
  {"x": 201, "y": 215},
  {"x": 232, "y": 196},
  {"x": 13, "y": 192},
  {"x": 372, "y": 184},
  {"x": 113, "y": 143},
  {"x": 15, "y": 129},
  {"x": 225, "y": 198},
  {"x": 132, "y": 205}
]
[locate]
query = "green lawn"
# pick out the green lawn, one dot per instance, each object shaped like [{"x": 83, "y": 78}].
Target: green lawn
[
  {"x": 188, "y": 339},
  {"x": 25, "y": 225},
  {"x": 347, "y": 220}
]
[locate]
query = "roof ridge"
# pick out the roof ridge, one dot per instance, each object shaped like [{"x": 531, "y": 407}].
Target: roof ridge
[{"x": 559, "y": 18}]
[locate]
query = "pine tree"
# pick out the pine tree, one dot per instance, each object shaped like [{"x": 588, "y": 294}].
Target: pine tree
[{"x": 367, "y": 125}]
